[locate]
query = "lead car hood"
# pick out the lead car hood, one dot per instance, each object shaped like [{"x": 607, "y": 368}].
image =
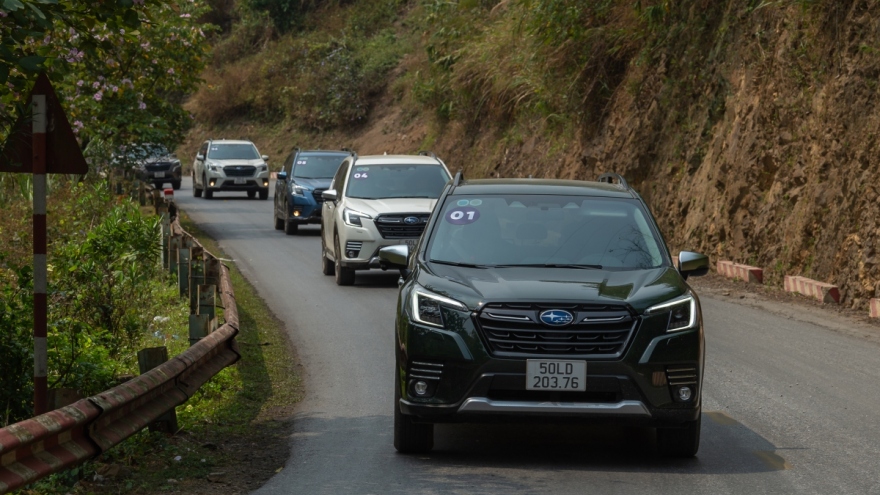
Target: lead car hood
[
  {"x": 375, "y": 207},
  {"x": 475, "y": 286}
]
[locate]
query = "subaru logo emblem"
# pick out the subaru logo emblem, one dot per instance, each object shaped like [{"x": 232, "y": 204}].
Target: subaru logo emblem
[
  {"x": 411, "y": 220},
  {"x": 556, "y": 317}
]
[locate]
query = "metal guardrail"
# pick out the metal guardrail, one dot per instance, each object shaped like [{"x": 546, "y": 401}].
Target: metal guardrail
[{"x": 66, "y": 437}]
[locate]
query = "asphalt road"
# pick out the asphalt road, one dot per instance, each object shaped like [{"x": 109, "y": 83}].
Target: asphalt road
[{"x": 791, "y": 400}]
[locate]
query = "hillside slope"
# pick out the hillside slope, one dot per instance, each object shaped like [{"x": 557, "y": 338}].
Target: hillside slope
[{"x": 749, "y": 126}]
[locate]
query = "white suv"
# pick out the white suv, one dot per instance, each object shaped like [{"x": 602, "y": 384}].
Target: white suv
[
  {"x": 373, "y": 202},
  {"x": 227, "y": 165}
]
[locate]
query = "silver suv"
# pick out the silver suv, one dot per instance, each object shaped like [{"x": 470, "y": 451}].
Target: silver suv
[
  {"x": 228, "y": 165},
  {"x": 373, "y": 202}
]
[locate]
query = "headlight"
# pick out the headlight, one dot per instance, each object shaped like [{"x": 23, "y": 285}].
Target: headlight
[
  {"x": 682, "y": 312},
  {"x": 213, "y": 168},
  {"x": 263, "y": 168},
  {"x": 425, "y": 307},
  {"x": 298, "y": 190},
  {"x": 353, "y": 217}
]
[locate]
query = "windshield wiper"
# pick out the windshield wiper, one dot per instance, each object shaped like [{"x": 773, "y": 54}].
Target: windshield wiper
[
  {"x": 457, "y": 263},
  {"x": 552, "y": 265}
]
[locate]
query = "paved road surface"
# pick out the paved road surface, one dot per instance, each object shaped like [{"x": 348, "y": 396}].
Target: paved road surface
[{"x": 790, "y": 405}]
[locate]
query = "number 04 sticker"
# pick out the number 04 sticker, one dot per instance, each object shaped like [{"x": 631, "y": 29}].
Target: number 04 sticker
[{"x": 462, "y": 216}]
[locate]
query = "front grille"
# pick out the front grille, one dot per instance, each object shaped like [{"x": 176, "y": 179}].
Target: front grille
[
  {"x": 158, "y": 167},
  {"x": 681, "y": 375},
  {"x": 239, "y": 171},
  {"x": 597, "y": 331},
  {"x": 402, "y": 226}
]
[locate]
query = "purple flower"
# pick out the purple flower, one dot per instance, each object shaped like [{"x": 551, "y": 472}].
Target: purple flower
[
  {"x": 79, "y": 83},
  {"x": 96, "y": 85},
  {"x": 184, "y": 15},
  {"x": 98, "y": 96},
  {"x": 142, "y": 106},
  {"x": 171, "y": 70}
]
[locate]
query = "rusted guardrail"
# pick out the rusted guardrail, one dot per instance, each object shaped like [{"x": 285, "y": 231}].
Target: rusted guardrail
[{"x": 68, "y": 436}]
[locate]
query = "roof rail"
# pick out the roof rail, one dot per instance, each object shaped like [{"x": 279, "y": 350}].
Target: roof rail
[
  {"x": 610, "y": 177},
  {"x": 427, "y": 153},
  {"x": 346, "y": 149},
  {"x": 459, "y": 176}
]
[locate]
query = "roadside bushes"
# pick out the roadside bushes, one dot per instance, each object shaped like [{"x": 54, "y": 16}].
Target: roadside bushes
[{"x": 108, "y": 297}]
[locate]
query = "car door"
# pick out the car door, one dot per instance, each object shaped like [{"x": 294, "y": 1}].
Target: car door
[
  {"x": 281, "y": 188},
  {"x": 199, "y": 165},
  {"x": 328, "y": 210}
]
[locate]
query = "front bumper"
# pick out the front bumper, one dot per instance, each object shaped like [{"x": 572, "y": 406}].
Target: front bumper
[
  {"x": 238, "y": 183},
  {"x": 360, "y": 246},
  {"x": 304, "y": 209},
  {"x": 469, "y": 384}
]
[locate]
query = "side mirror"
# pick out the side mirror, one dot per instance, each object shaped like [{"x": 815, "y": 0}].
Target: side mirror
[
  {"x": 395, "y": 257},
  {"x": 200, "y": 157},
  {"x": 282, "y": 176},
  {"x": 265, "y": 158},
  {"x": 329, "y": 195},
  {"x": 690, "y": 263}
]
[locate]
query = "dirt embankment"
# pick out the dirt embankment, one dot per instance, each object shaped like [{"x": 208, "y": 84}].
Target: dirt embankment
[{"x": 754, "y": 139}]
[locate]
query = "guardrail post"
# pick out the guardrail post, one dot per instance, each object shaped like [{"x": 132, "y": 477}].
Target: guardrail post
[
  {"x": 199, "y": 328},
  {"x": 212, "y": 271},
  {"x": 148, "y": 359},
  {"x": 207, "y": 300},
  {"x": 174, "y": 244},
  {"x": 166, "y": 233},
  {"x": 183, "y": 259},
  {"x": 196, "y": 276}
]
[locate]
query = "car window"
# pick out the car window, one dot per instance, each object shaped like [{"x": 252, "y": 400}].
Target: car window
[
  {"x": 339, "y": 179},
  {"x": 287, "y": 163},
  {"x": 396, "y": 181},
  {"x": 246, "y": 151},
  {"x": 317, "y": 166},
  {"x": 540, "y": 230},
  {"x": 204, "y": 149}
]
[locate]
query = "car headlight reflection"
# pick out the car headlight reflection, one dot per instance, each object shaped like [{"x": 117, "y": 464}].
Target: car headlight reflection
[
  {"x": 298, "y": 190},
  {"x": 353, "y": 217},
  {"x": 682, "y": 312},
  {"x": 425, "y": 307}
]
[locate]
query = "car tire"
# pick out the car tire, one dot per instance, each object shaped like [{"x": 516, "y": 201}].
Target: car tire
[
  {"x": 344, "y": 275},
  {"x": 409, "y": 437},
  {"x": 327, "y": 266},
  {"x": 264, "y": 194},
  {"x": 679, "y": 442},
  {"x": 197, "y": 191},
  {"x": 252, "y": 194},
  {"x": 175, "y": 185},
  {"x": 279, "y": 224},
  {"x": 208, "y": 192},
  {"x": 290, "y": 228}
]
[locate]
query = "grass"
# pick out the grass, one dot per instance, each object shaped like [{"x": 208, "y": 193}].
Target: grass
[{"x": 241, "y": 405}]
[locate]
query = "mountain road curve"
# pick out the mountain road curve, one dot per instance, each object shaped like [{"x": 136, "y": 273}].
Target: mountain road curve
[{"x": 790, "y": 404}]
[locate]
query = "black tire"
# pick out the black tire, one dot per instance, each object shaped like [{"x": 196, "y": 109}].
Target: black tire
[
  {"x": 252, "y": 194},
  {"x": 327, "y": 266},
  {"x": 279, "y": 224},
  {"x": 290, "y": 228},
  {"x": 197, "y": 191},
  {"x": 208, "y": 192},
  {"x": 679, "y": 442},
  {"x": 409, "y": 437},
  {"x": 175, "y": 185},
  {"x": 264, "y": 194},
  {"x": 344, "y": 275}
]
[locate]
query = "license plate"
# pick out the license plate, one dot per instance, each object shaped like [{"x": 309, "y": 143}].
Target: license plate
[
  {"x": 159, "y": 175},
  {"x": 240, "y": 181},
  {"x": 554, "y": 374},
  {"x": 410, "y": 242}
]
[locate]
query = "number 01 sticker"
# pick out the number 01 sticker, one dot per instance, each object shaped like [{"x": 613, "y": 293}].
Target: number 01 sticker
[{"x": 462, "y": 216}]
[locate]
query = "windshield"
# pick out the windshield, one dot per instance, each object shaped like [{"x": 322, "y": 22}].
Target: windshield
[
  {"x": 396, "y": 181},
  {"x": 245, "y": 151},
  {"x": 539, "y": 230},
  {"x": 317, "y": 167}
]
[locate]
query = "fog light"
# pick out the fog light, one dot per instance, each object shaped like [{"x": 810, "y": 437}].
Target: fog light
[
  {"x": 296, "y": 213},
  {"x": 213, "y": 182},
  {"x": 420, "y": 387},
  {"x": 265, "y": 182},
  {"x": 684, "y": 394},
  {"x": 351, "y": 254}
]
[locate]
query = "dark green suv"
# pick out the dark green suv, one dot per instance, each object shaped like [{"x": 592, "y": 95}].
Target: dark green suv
[{"x": 546, "y": 299}]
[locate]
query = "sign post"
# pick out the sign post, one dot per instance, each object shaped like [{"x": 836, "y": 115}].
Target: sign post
[{"x": 42, "y": 143}]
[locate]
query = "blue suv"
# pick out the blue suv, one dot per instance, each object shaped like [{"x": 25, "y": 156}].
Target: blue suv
[{"x": 298, "y": 187}]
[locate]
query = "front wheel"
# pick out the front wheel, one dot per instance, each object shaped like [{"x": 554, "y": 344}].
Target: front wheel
[
  {"x": 679, "y": 442},
  {"x": 175, "y": 185},
  {"x": 290, "y": 227},
  {"x": 344, "y": 275},
  {"x": 327, "y": 266},
  {"x": 197, "y": 191},
  {"x": 208, "y": 192},
  {"x": 410, "y": 437},
  {"x": 264, "y": 194},
  {"x": 252, "y": 194}
]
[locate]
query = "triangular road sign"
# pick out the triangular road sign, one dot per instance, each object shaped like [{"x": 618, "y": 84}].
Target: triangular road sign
[{"x": 63, "y": 154}]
